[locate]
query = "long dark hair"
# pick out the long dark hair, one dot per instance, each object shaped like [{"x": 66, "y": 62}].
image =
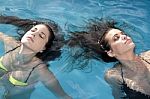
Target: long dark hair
[
  {"x": 91, "y": 39},
  {"x": 56, "y": 39}
]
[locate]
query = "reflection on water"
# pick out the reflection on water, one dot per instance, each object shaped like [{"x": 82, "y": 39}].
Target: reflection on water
[{"x": 77, "y": 83}]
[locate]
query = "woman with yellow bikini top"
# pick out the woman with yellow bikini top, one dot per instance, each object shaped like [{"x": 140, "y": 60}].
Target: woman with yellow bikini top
[{"x": 25, "y": 61}]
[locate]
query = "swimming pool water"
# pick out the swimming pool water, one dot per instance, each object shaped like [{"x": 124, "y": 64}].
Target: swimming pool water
[{"x": 78, "y": 84}]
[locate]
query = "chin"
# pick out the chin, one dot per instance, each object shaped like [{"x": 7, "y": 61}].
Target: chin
[
  {"x": 24, "y": 41},
  {"x": 131, "y": 45},
  {"x": 27, "y": 44},
  {"x": 131, "y": 48}
]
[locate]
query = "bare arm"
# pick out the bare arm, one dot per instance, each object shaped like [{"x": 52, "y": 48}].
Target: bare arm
[
  {"x": 6, "y": 39},
  {"x": 23, "y": 24},
  {"x": 114, "y": 80},
  {"x": 51, "y": 83}
]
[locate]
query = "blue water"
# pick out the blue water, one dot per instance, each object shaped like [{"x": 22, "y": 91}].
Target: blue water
[{"x": 78, "y": 84}]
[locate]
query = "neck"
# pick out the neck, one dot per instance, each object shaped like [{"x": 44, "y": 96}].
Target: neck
[
  {"x": 26, "y": 50},
  {"x": 130, "y": 56},
  {"x": 26, "y": 54},
  {"x": 129, "y": 60}
]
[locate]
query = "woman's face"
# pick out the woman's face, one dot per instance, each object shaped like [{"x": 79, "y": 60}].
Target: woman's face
[
  {"x": 119, "y": 42},
  {"x": 36, "y": 38}
]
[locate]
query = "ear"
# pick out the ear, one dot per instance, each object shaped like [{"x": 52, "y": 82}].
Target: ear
[{"x": 110, "y": 53}]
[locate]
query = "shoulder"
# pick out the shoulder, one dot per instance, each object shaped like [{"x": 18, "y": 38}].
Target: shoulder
[
  {"x": 113, "y": 75},
  {"x": 44, "y": 71},
  {"x": 41, "y": 68},
  {"x": 115, "y": 70},
  {"x": 8, "y": 40},
  {"x": 145, "y": 55},
  {"x": 145, "y": 52}
]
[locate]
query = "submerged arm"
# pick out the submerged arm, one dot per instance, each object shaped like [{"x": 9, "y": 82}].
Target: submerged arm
[
  {"x": 6, "y": 38},
  {"x": 23, "y": 24},
  {"x": 9, "y": 42},
  {"x": 51, "y": 83}
]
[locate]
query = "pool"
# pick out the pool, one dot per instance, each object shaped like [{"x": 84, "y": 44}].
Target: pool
[{"x": 79, "y": 84}]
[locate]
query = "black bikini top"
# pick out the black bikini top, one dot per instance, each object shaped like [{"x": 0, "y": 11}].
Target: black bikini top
[{"x": 130, "y": 93}]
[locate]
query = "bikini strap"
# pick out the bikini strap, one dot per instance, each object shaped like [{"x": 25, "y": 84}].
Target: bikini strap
[
  {"x": 12, "y": 49},
  {"x": 145, "y": 60},
  {"x": 122, "y": 74},
  {"x": 32, "y": 71}
]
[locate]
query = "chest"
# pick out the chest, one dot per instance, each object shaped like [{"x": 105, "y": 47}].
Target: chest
[
  {"x": 138, "y": 79},
  {"x": 140, "y": 74},
  {"x": 147, "y": 64},
  {"x": 28, "y": 76},
  {"x": 13, "y": 63}
]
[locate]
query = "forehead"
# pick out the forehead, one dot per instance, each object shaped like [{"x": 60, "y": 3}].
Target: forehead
[{"x": 111, "y": 33}]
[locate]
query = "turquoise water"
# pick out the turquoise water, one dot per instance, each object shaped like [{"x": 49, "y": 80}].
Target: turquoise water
[{"x": 78, "y": 84}]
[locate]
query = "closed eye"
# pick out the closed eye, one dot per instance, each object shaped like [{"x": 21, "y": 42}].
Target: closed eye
[
  {"x": 116, "y": 37},
  {"x": 42, "y": 35}
]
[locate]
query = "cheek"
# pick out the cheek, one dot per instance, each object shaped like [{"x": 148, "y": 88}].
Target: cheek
[
  {"x": 40, "y": 44},
  {"x": 117, "y": 47}
]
